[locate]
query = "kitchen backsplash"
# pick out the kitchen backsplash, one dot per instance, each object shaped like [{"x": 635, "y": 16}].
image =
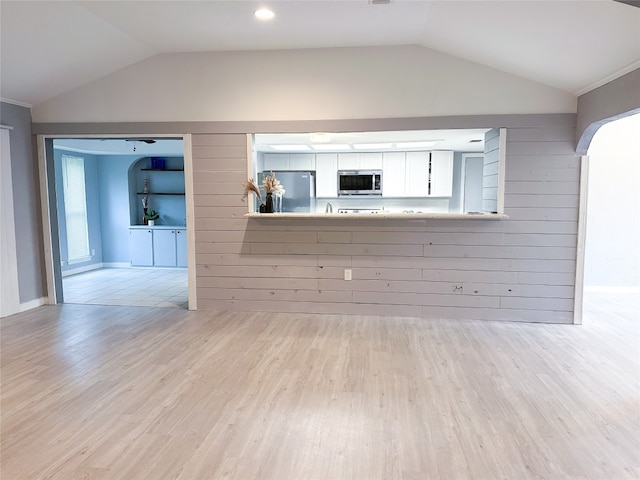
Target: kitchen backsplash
[{"x": 391, "y": 205}]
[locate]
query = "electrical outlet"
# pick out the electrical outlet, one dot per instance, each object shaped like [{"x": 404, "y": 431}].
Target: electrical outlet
[{"x": 347, "y": 274}]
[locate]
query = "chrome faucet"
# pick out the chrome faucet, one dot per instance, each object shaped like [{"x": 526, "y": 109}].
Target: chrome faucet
[{"x": 329, "y": 208}]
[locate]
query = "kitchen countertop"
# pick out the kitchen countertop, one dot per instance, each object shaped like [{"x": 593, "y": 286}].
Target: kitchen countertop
[
  {"x": 383, "y": 216},
  {"x": 159, "y": 227}
]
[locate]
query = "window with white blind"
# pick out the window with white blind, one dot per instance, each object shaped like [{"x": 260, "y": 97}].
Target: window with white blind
[{"x": 75, "y": 208}]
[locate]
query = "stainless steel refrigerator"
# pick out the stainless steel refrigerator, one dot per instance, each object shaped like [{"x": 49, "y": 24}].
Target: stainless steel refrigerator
[{"x": 299, "y": 191}]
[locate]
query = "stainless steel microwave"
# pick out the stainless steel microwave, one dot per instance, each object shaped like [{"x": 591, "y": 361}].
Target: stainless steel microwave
[{"x": 359, "y": 182}]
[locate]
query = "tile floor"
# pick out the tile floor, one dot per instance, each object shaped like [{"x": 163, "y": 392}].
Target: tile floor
[{"x": 143, "y": 287}]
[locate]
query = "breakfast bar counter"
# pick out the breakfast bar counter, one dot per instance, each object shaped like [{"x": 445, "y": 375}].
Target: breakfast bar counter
[{"x": 381, "y": 216}]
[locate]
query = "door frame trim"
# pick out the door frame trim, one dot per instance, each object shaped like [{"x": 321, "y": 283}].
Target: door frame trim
[
  {"x": 54, "y": 271},
  {"x": 463, "y": 174}
]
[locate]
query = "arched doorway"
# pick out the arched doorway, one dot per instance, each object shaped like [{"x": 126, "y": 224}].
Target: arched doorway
[{"x": 612, "y": 252}]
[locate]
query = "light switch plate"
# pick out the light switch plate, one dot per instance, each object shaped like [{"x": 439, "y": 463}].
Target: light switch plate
[{"x": 347, "y": 274}]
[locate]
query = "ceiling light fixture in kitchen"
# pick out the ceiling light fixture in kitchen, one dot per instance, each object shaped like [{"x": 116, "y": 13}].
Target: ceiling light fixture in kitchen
[
  {"x": 320, "y": 137},
  {"x": 264, "y": 14}
]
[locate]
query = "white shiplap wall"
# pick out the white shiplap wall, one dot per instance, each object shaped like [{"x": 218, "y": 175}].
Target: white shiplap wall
[
  {"x": 521, "y": 269},
  {"x": 490, "y": 171}
]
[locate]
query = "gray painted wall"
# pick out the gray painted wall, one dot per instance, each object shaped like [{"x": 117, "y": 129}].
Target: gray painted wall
[
  {"x": 26, "y": 198},
  {"x": 219, "y": 217},
  {"x": 522, "y": 269},
  {"x": 610, "y": 101}
]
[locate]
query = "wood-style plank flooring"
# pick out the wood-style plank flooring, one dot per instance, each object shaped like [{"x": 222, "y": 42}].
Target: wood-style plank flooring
[{"x": 101, "y": 392}]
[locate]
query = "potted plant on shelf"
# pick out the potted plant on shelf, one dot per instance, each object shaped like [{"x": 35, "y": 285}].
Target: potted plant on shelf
[{"x": 150, "y": 217}]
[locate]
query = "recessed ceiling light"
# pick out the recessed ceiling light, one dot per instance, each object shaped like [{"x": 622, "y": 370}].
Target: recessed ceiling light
[
  {"x": 264, "y": 14},
  {"x": 320, "y": 137},
  {"x": 290, "y": 148}
]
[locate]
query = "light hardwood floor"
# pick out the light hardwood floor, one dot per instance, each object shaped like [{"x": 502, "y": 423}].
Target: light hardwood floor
[{"x": 136, "y": 393}]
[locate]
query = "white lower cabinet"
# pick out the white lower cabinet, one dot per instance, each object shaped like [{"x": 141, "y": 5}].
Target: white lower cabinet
[
  {"x": 164, "y": 248},
  {"x": 158, "y": 247},
  {"x": 141, "y": 247},
  {"x": 181, "y": 247}
]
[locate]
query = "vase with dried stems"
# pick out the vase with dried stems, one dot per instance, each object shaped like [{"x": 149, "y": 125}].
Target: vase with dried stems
[{"x": 271, "y": 185}]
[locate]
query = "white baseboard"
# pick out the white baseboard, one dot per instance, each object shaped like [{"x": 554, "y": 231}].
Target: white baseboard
[
  {"x": 86, "y": 268},
  {"x": 611, "y": 289},
  {"x": 95, "y": 266},
  {"x": 38, "y": 302}
]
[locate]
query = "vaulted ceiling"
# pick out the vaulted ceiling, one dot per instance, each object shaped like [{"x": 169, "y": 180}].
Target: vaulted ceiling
[{"x": 51, "y": 47}]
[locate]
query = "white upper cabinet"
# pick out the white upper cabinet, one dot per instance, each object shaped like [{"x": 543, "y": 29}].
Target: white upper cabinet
[
  {"x": 393, "y": 174},
  {"x": 326, "y": 175},
  {"x": 428, "y": 174},
  {"x": 289, "y": 161},
  {"x": 441, "y": 174},
  {"x": 302, "y": 161},
  {"x": 417, "y": 174},
  {"x": 360, "y": 161},
  {"x": 348, "y": 161},
  {"x": 405, "y": 174},
  {"x": 276, "y": 161}
]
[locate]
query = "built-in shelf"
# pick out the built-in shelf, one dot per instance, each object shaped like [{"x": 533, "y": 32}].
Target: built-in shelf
[
  {"x": 162, "y": 169},
  {"x": 158, "y": 187}
]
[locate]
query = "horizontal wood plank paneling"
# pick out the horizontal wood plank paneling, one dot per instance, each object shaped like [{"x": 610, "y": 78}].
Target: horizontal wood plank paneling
[
  {"x": 521, "y": 269},
  {"x": 490, "y": 170},
  {"x": 552, "y": 188}
]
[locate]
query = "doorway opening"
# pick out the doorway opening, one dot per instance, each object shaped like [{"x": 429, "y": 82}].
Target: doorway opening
[
  {"x": 111, "y": 199},
  {"x": 612, "y": 255}
]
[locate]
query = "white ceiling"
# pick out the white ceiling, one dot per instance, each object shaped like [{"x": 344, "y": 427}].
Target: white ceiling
[
  {"x": 122, "y": 146},
  {"x": 51, "y": 47},
  {"x": 457, "y": 140}
]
